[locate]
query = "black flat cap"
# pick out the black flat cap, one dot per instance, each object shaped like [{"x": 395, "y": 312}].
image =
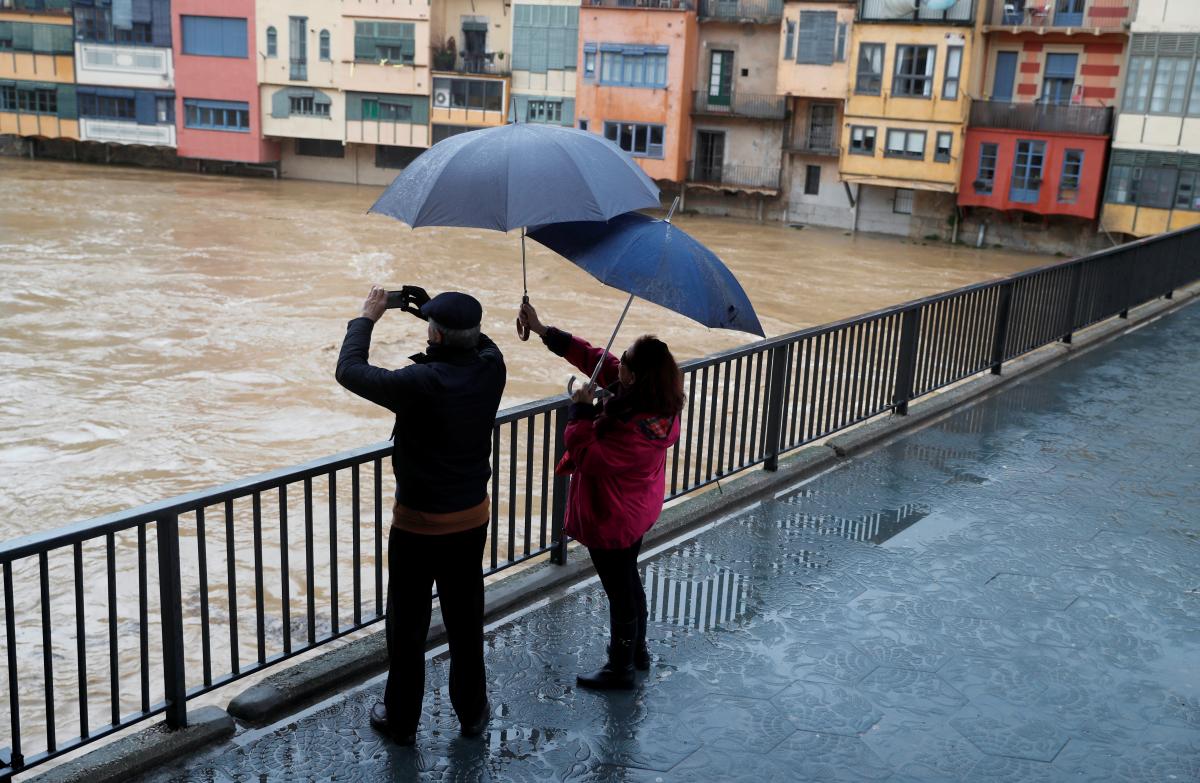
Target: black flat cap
[{"x": 454, "y": 310}]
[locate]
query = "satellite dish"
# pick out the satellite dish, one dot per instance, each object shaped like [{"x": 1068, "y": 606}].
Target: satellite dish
[
  {"x": 900, "y": 8},
  {"x": 939, "y": 5}
]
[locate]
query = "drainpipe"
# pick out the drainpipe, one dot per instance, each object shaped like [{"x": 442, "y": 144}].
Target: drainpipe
[{"x": 857, "y": 203}]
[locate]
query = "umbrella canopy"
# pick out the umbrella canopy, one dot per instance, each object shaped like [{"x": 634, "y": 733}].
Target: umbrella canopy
[
  {"x": 517, "y": 175},
  {"x": 658, "y": 262}
]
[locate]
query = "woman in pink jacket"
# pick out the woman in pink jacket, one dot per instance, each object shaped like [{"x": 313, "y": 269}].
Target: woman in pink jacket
[{"x": 616, "y": 452}]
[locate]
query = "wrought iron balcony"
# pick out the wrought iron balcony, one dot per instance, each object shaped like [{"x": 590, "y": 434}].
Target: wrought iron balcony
[
  {"x": 816, "y": 143},
  {"x": 1042, "y": 117},
  {"x": 1093, "y": 16},
  {"x": 764, "y": 11},
  {"x": 739, "y": 104},
  {"x": 910, "y": 11},
  {"x": 665, "y": 5},
  {"x": 489, "y": 64},
  {"x": 733, "y": 177}
]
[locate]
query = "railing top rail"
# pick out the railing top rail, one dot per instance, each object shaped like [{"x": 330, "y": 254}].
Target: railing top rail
[{"x": 35, "y": 543}]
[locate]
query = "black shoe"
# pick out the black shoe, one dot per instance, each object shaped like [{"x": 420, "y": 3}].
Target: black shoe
[
  {"x": 476, "y": 727},
  {"x": 617, "y": 674},
  {"x": 379, "y": 722},
  {"x": 641, "y": 656}
]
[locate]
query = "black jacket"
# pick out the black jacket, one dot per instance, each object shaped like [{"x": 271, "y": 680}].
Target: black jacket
[{"x": 445, "y": 406}]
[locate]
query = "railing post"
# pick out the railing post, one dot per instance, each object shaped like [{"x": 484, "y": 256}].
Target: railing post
[
  {"x": 906, "y": 367},
  {"x": 171, "y": 615},
  {"x": 1003, "y": 314},
  {"x": 1073, "y": 301},
  {"x": 558, "y": 539},
  {"x": 780, "y": 356}
]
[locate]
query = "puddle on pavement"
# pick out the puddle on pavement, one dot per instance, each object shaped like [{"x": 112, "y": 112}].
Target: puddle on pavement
[
  {"x": 704, "y": 603},
  {"x": 872, "y": 528}
]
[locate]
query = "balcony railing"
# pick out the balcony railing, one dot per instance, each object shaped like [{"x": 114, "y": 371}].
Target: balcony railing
[
  {"x": 45, "y": 6},
  {"x": 1042, "y": 117},
  {"x": 1060, "y": 15},
  {"x": 909, "y": 11},
  {"x": 733, "y": 176},
  {"x": 816, "y": 143},
  {"x": 739, "y": 104},
  {"x": 665, "y": 5},
  {"x": 742, "y": 10},
  {"x": 489, "y": 64}
]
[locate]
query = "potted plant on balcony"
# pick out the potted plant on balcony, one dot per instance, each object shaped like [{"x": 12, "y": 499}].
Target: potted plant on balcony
[
  {"x": 445, "y": 55},
  {"x": 982, "y": 186}
]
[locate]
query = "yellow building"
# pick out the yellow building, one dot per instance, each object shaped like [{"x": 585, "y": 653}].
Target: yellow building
[
  {"x": 906, "y": 113},
  {"x": 37, "y": 71},
  {"x": 1154, "y": 167},
  {"x": 471, "y": 55}
]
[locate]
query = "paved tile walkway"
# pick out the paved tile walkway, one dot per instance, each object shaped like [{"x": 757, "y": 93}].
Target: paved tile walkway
[{"x": 1010, "y": 595}]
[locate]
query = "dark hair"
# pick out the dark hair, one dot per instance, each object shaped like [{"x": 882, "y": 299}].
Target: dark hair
[{"x": 658, "y": 386}]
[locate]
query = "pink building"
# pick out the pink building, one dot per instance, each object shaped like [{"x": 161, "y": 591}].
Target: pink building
[{"x": 216, "y": 82}]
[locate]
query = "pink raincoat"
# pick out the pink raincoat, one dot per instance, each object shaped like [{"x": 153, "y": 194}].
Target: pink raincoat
[{"x": 618, "y": 478}]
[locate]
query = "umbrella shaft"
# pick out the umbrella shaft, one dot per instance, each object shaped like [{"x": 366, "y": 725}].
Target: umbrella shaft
[{"x": 607, "y": 348}]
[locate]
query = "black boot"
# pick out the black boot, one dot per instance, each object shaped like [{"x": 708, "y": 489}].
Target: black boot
[
  {"x": 641, "y": 653},
  {"x": 617, "y": 674}
]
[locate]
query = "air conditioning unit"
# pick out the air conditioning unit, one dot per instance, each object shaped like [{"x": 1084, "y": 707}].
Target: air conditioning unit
[{"x": 441, "y": 99}]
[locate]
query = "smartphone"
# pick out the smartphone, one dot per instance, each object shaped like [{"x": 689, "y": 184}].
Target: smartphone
[{"x": 395, "y": 300}]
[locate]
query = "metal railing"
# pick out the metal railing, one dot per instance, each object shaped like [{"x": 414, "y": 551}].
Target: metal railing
[
  {"x": 1042, "y": 117},
  {"x": 733, "y": 176},
  {"x": 89, "y": 607},
  {"x": 765, "y": 11},
  {"x": 1090, "y": 15},
  {"x": 962, "y": 12},
  {"x": 739, "y": 104},
  {"x": 666, "y": 5}
]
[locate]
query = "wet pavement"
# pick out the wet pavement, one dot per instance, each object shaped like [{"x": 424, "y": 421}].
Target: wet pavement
[{"x": 1012, "y": 594}]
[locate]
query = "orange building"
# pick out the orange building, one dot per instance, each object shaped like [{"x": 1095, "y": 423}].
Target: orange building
[{"x": 636, "y": 76}]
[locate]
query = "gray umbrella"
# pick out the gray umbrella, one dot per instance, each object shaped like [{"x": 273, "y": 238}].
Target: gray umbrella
[{"x": 518, "y": 175}]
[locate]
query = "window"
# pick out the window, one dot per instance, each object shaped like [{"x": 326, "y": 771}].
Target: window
[
  {"x": 1186, "y": 196},
  {"x": 544, "y": 111},
  {"x": 214, "y": 36},
  {"x": 633, "y": 66},
  {"x": 1156, "y": 187},
  {"x": 914, "y": 71},
  {"x": 96, "y": 24},
  {"x": 1137, "y": 84},
  {"x": 1170, "y": 85},
  {"x": 272, "y": 42},
  {"x": 28, "y": 100},
  {"x": 1072, "y": 174},
  {"x": 164, "y": 109},
  {"x": 320, "y": 148},
  {"x": 869, "y": 80},
  {"x": 944, "y": 146},
  {"x": 6, "y": 36},
  {"x": 216, "y": 115},
  {"x": 788, "y": 41},
  {"x": 442, "y": 132},
  {"x": 986, "y": 178},
  {"x": 374, "y": 109},
  {"x": 589, "y": 64},
  {"x": 324, "y": 52},
  {"x": 1058, "y": 81},
  {"x": 843, "y": 34},
  {"x": 469, "y": 94},
  {"x": 388, "y": 157},
  {"x": 905, "y": 144},
  {"x": 637, "y": 139},
  {"x": 106, "y": 107},
  {"x": 954, "y": 57},
  {"x": 307, "y": 106},
  {"x": 862, "y": 140},
  {"x": 817, "y": 41},
  {"x": 812, "y": 180},
  {"x": 1121, "y": 186},
  {"x": 1027, "y": 171},
  {"x": 379, "y": 41},
  {"x": 902, "y": 203},
  {"x": 583, "y": 125},
  {"x": 544, "y": 37}
]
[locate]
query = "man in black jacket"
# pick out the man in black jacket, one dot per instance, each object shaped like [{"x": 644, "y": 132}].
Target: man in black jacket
[{"x": 445, "y": 405}]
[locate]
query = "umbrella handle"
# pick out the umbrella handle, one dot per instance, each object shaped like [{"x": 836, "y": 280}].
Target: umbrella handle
[{"x": 523, "y": 331}]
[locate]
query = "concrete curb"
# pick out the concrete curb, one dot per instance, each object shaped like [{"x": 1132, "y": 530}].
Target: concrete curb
[
  {"x": 309, "y": 681},
  {"x": 149, "y": 748}
]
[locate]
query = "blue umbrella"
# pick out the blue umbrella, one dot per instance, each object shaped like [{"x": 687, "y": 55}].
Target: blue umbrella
[
  {"x": 517, "y": 175},
  {"x": 657, "y": 261}
]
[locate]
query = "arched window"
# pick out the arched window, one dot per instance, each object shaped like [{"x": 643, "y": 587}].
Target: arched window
[
  {"x": 272, "y": 42},
  {"x": 325, "y": 45}
]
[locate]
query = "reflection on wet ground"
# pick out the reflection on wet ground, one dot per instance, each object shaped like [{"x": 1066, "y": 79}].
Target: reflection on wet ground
[{"x": 1009, "y": 595}]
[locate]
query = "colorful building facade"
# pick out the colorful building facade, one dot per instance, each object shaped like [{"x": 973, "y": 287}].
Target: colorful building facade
[
  {"x": 636, "y": 80},
  {"x": 217, "y": 105},
  {"x": 545, "y": 51},
  {"x": 472, "y": 63},
  {"x": 37, "y": 70},
  {"x": 1154, "y": 171}
]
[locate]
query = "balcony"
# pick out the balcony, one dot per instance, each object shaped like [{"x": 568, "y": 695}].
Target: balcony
[
  {"x": 663, "y": 5},
  {"x": 914, "y": 12},
  {"x": 760, "y": 11},
  {"x": 489, "y": 64},
  {"x": 298, "y": 69},
  {"x": 120, "y": 65},
  {"x": 748, "y": 105},
  {"x": 733, "y": 177},
  {"x": 1042, "y": 118},
  {"x": 126, "y": 132},
  {"x": 1059, "y": 16},
  {"x": 60, "y": 7},
  {"x": 816, "y": 143}
]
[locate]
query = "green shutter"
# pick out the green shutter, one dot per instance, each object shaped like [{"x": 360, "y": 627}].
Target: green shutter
[
  {"x": 281, "y": 105},
  {"x": 66, "y": 102},
  {"x": 63, "y": 39},
  {"x": 520, "y": 53},
  {"x": 6, "y": 29},
  {"x": 521, "y": 14},
  {"x": 556, "y": 48},
  {"x": 521, "y": 108},
  {"x": 22, "y": 37},
  {"x": 568, "y": 112}
]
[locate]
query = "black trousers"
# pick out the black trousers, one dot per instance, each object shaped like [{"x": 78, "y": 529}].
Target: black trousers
[
  {"x": 415, "y": 563},
  {"x": 618, "y": 572}
]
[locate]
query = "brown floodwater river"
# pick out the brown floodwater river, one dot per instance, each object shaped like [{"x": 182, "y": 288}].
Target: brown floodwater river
[{"x": 164, "y": 332}]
